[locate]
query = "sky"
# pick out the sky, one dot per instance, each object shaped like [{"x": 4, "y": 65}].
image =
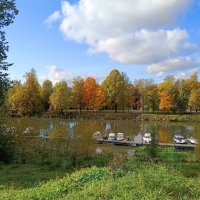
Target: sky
[{"x": 142, "y": 38}]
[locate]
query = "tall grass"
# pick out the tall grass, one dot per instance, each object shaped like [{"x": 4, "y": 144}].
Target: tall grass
[{"x": 144, "y": 182}]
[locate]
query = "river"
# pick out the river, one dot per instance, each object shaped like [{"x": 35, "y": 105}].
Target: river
[{"x": 165, "y": 131}]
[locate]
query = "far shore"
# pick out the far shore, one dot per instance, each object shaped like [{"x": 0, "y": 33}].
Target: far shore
[{"x": 120, "y": 115}]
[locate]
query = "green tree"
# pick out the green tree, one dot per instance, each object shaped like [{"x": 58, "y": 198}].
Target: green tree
[
  {"x": 116, "y": 89},
  {"x": 8, "y": 12},
  {"x": 181, "y": 96},
  {"x": 60, "y": 98},
  {"x": 145, "y": 86},
  {"x": 124, "y": 92},
  {"x": 78, "y": 93},
  {"x": 152, "y": 98},
  {"x": 47, "y": 89},
  {"x": 152, "y": 148}
]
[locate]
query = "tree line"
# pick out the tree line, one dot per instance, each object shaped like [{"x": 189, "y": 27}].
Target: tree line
[{"x": 114, "y": 93}]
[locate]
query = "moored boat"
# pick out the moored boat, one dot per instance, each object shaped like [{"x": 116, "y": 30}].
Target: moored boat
[
  {"x": 111, "y": 137},
  {"x": 192, "y": 140},
  {"x": 120, "y": 136},
  {"x": 97, "y": 135},
  {"x": 179, "y": 139},
  {"x": 147, "y": 138}
]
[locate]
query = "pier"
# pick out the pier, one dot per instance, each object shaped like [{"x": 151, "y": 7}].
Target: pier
[{"x": 139, "y": 144}]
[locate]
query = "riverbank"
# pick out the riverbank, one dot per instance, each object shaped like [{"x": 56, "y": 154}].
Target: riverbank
[
  {"x": 133, "y": 115},
  {"x": 173, "y": 176},
  {"x": 120, "y": 115},
  {"x": 170, "y": 117}
]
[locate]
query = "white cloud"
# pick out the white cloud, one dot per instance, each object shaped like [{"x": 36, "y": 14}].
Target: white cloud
[
  {"x": 93, "y": 20},
  {"x": 52, "y": 18},
  {"x": 186, "y": 75},
  {"x": 174, "y": 65},
  {"x": 145, "y": 46},
  {"x": 56, "y": 74},
  {"x": 129, "y": 31}
]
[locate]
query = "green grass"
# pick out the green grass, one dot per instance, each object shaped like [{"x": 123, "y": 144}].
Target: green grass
[
  {"x": 27, "y": 175},
  {"x": 144, "y": 182},
  {"x": 173, "y": 175}
]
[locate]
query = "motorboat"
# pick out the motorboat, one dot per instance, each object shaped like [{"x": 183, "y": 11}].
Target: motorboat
[
  {"x": 147, "y": 138},
  {"x": 97, "y": 135},
  {"x": 120, "y": 136},
  {"x": 192, "y": 140},
  {"x": 111, "y": 137},
  {"x": 179, "y": 139}
]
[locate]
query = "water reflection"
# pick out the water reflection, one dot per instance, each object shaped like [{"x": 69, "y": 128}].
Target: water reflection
[
  {"x": 165, "y": 131},
  {"x": 138, "y": 138}
]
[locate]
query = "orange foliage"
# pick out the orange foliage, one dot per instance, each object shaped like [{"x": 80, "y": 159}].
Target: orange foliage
[
  {"x": 100, "y": 98},
  {"x": 165, "y": 101},
  {"x": 89, "y": 95}
]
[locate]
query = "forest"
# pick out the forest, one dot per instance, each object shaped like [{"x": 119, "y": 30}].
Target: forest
[{"x": 116, "y": 92}]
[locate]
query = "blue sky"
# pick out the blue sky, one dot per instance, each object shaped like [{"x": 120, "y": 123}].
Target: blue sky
[{"x": 144, "y": 39}]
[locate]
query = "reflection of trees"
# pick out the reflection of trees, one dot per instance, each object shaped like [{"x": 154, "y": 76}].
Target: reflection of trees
[
  {"x": 58, "y": 131},
  {"x": 164, "y": 135}
]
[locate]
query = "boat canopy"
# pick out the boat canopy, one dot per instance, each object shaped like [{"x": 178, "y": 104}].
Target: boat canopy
[
  {"x": 111, "y": 134},
  {"x": 97, "y": 134}
]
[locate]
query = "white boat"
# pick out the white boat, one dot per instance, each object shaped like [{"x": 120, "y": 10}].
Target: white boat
[
  {"x": 120, "y": 136},
  {"x": 97, "y": 135},
  {"x": 179, "y": 139},
  {"x": 111, "y": 137},
  {"x": 192, "y": 140},
  {"x": 147, "y": 138}
]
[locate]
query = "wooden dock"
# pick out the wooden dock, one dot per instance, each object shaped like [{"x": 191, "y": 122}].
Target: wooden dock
[{"x": 138, "y": 144}]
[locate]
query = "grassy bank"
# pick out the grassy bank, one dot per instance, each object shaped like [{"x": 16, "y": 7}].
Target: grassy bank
[
  {"x": 120, "y": 115},
  {"x": 170, "y": 117},
  {"x": 149, "y": 181},
  {"x": 136, "y": 177},
  {"x": 133, "y": 115}
]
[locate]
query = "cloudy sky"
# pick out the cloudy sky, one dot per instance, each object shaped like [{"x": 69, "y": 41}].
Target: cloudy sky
[{"x": 143, "y": 38}]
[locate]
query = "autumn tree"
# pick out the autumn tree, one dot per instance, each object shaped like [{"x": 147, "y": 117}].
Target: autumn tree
[
  {"x": 47, "y": 89},
  {"x": 194, "y": 99},
  {"x": 26, "y": 99},
  {"x": 134, "y": 98},
  {"x": 192, "y": 82},
  {"x": 60, "y": 98},
  {"x": 78, "y": 93},
  {"x": 12, "y": 96},
  {"x": 168, "y": 86},
  {"x": 116, "y": 89},
  {"x": 90, "y": 91},
  {"x": 100, "y": 98},
  {"x": 8, "y": 11},
  {"x": 165, "y": 101}
]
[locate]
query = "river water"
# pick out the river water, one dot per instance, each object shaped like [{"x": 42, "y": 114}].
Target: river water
[{"x": 165, "y": 131}]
